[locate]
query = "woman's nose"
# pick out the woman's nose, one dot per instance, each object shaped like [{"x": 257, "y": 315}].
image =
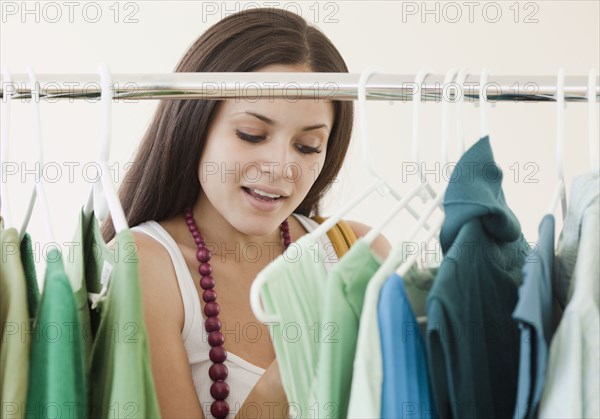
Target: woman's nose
[{"x": 278, "y": 162}]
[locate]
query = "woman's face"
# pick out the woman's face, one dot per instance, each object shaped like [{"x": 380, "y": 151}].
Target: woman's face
[{"x": 272, "y": 146}]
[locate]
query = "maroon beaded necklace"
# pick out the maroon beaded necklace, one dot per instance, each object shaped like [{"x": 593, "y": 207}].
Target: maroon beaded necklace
[{"x": 217, "y": 372}]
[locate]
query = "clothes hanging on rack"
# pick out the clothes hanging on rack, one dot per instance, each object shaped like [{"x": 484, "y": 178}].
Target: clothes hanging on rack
[
  {"x": 298, "y": 305},
  {"x": 56, "y": 370},
  {"x": 15, "y": 324},
  {"x": 367, "y": 378},
  {"x": 121, "y": 378},
  {"x": 405, "y": 389},
  {"x": 76, "y": 271},
  {"x": 343, "y": 302},
  {"x": 573, "y": 374},
  {"x": 536, "y": 319},
  {"x": 472, "y": 341},
  {"x": 584, "y": 194},
  {"x": 377, "y": 367}
]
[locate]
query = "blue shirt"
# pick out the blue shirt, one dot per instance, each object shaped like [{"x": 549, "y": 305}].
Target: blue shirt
[
  {"x": 534, "y": 317},
  {"x": 405, "y": 391}
]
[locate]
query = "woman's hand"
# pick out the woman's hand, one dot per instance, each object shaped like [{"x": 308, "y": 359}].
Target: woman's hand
[{"x": 267, "y": 398}]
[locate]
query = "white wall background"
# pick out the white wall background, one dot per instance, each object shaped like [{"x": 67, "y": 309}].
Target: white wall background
[{"x": 151, "y": 36}]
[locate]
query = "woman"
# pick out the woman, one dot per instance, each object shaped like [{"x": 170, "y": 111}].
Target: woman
[{"x": 242, "y": 167}]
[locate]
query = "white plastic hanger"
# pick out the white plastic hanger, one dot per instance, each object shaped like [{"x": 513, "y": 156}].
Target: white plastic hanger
[
  {"x": 446, "y": 118},
  {"x": 379, "y": 183},
  {"x": 4, "y": 138},
  {"x": 593, "y": 120},
  {"x": 423, "y": 188},
  {"x": 416, "y": 118},
  {"x": 483, "y": 104},
  {"x": 395, "y": 261},
  {"x": 39, "y": 182},
  {"x": 396, "y": 255},
  {"x": 103, "y": 191},
  {"x": 460, "y": 137},
  {"x": 560, "y": 193}
]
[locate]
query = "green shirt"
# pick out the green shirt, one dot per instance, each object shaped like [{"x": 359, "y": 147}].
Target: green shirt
[
  {"x": 56, "y": 381},
  {"x": 14, "y": 325},
  {"x": 75, "y": 268},
  {"x": 343, "y": 301},
  {"x": 33, "y": 291},
  {"x": 121, "y": 379},
  {"x": 293, "y": 292}
]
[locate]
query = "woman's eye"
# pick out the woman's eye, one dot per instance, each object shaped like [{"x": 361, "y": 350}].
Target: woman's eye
[
  {"x": 308, "y": 150},
  {"x": 248, "y": 137}
]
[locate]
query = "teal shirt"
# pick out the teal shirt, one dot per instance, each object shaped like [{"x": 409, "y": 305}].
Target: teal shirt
[
  {"x": 56, "y": 379},
  {"x": 472, "y": 341}
]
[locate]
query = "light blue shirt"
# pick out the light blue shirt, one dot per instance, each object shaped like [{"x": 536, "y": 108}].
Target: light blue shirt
[
  {"x": 534, "y": 317},
  {"x": 405, "y": 392}
]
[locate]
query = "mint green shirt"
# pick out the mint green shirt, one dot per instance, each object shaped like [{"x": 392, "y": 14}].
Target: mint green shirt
[
  {"x": 294, "y": 293},
  {"x": 343, "y": 302}
]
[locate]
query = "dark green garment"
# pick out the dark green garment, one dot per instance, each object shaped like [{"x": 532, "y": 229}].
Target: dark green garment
[
  {"x": 33, "y": 292},
  {"x": 121, "y": 379},
  {"x": 56, "y": 382},
  {"x": 75, "y": 268},
  {"x": 472, "y": 341}
]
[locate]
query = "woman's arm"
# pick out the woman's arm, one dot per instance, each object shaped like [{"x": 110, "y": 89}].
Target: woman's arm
[
  {"x": 163, "y": 315},
  {"x": 267, "y": 398}
]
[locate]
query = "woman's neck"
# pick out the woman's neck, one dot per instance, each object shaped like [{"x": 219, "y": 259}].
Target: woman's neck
[{"x": 227, "y": 243}]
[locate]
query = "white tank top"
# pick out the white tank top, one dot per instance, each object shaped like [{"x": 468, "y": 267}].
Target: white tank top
[{"x": 242, "y": 374}]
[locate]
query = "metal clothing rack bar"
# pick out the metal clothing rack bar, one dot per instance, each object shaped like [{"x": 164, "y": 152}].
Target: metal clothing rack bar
[{"x": 293, "y": 86}]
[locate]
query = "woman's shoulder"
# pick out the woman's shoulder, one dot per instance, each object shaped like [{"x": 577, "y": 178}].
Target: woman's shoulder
[
  {"x": 156, "y": 271},
  {"x": 380, "y": 246}
]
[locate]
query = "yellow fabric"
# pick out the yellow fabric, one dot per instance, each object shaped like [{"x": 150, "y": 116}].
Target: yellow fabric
[{"x": 341, "y": 235}]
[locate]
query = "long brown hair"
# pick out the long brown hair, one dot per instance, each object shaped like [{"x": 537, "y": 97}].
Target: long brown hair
[{"x": 163, "y": 179}]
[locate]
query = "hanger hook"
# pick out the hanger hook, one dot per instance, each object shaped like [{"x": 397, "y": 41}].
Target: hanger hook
[
  {"x": 560, "y": 123},
  {"x": 593, "y": 120},
  {"x": 106, "y": 96},
  {"x": 446, "y": 117},
  {"x": 560, "y": 138},
  {"x": 483, "y": 103},
  {"x": 39, "y": 184},
  {"x": 364, "y": 131},
  {"x": 460, "y": 81},
  {"x": 417, "y": 98}
]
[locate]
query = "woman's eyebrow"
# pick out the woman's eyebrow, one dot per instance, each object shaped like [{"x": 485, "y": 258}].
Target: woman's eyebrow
[{"x": 269, "y": 121}]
